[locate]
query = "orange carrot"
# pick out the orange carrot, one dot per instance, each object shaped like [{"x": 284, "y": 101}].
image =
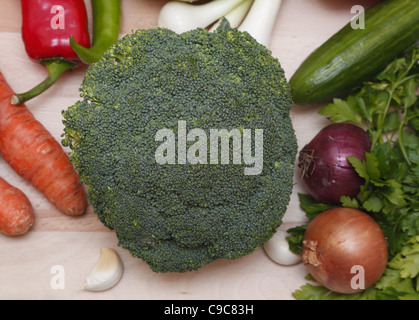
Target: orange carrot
[
  {"x": 29, "y": 148},
  {"x": 16, "y": 212}
]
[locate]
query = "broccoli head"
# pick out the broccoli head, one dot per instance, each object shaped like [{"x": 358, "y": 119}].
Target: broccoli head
[{"x": 144, "y": 139}]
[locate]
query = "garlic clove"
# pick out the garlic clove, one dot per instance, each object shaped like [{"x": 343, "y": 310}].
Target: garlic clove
[
  {"x": 106, "y": 273},
  {"x": 277, "y": 248}
]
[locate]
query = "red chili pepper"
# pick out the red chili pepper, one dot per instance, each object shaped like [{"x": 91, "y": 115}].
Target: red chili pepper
[{"x": 46, "y": 29}]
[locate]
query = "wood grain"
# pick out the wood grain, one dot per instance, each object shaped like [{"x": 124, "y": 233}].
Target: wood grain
[{"x": 74, "y": 243}]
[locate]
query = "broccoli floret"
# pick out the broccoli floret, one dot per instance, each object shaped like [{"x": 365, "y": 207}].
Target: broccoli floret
[{"x": 181, "y": 216}]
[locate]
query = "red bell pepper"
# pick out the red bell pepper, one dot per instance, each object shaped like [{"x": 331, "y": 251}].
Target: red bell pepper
[{"x": 46, "y": 29}]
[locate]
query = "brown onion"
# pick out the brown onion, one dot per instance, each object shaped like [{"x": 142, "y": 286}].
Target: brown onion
[
  {"x": 327, "y": 173},
  {"x": 345, "y": 250}
]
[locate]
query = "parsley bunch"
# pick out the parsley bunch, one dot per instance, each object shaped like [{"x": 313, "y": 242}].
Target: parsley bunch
[{"x": 387, "y": 107}]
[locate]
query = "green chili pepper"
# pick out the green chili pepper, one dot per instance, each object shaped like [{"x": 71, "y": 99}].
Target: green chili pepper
[{"x": 106, "y": 24}]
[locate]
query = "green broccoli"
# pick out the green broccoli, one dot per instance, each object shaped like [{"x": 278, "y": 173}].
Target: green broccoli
[{"x": 179, "y": 216}]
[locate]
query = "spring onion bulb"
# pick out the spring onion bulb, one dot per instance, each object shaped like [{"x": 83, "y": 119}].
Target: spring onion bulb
[
  {"x": 235, "y": 17},
  {"x": 181, "y": 16},
  {"x": 260, "y": 20},
  {"x": 257, "y": 17}
]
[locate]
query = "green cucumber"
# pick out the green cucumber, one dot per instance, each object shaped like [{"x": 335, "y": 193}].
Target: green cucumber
[{"x": 352, "y": 56}]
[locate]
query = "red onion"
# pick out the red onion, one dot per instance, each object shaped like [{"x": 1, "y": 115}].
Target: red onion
[
  {"x": 326, "y": 171},
  {"x": 345, "y": 250}
]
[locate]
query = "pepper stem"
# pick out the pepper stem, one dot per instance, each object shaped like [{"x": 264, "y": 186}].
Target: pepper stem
[
  {"x": 87, "y": 55},
  {"x": 55, "y": 67}
]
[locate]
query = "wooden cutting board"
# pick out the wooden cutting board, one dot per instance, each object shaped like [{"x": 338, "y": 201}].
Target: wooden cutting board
[{"x": 73, "y": 244}]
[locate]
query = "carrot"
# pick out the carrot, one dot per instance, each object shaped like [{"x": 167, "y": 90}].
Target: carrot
[
  {"x": 29, "y": 148},
  {"x": 16, "y": 212}
]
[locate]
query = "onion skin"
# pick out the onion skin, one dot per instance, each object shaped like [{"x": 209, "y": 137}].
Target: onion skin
[
  {"x": 327, "y": 173},
  {"x": 338, "y": 239}
]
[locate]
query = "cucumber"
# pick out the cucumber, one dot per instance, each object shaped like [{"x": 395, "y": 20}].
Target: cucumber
[{"x": 352, "y": 56}]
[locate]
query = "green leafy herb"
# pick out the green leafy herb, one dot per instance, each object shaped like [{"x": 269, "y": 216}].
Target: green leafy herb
[{"x": 388, "y": 108}]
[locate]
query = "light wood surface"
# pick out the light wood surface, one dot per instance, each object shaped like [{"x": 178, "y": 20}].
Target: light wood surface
[{"x": 74, "y": 243}]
